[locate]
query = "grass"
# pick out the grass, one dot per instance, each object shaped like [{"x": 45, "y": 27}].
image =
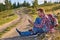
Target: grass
[
  {"x": 6, "y": 13},
  {"x": 48, "y": 4},
  {"x": 8, "y": 29},
  {"x": 8, "y": 19},
  {"x": 7, "y": 16},
  {"x": 50, "y": 7}
]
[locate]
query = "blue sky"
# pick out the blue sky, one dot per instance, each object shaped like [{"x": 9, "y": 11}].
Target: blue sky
[
  {"x": 21, "y": 1},
  {"x": 30, "y": 1}
]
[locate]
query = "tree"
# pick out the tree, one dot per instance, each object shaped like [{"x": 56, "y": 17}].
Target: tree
[
  {"x": 27, "y": 4},
  {"x": 45, "y": 1},
  {"x": 14, "y": 5},
  {"x": 59, "y": 1},
  {"x": 8, "y": 4},
  {"x": 24, "y": 4},
  {"x": 35, "y": 4},
  {"x": 18, "y": 5},
  {"x": 2, "y": 7}
]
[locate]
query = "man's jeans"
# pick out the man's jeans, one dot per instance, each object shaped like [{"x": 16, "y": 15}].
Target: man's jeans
[{"x": 34, "y": 31}]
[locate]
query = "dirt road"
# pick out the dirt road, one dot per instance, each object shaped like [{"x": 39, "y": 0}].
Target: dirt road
[
  {"x": 4, "y": 26},
  {"x": 21, "y": 26}
]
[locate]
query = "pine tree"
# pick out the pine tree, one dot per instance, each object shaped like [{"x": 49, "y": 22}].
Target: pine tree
[
  {"x": 35, "y": 4},
  {"x": 28, "y": 5},
  {"x": 18, "y": 5},
  {"x": 14, "y": 5},
  {"x": 45, "y": 1},
  {"x": 24, "y": 4},
  {"x": 2, "y": 7},
  {"x": 8, "y": 4}
]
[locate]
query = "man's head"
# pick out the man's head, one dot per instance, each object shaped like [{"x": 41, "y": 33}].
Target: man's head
[{"x": 40, "y": 12}]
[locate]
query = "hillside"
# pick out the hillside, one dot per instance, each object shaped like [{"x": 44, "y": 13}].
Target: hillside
[
  {"x": 7, "y": 16},
  {"x": 49, "y": 8},
  {"x": 22, "y": 25}
]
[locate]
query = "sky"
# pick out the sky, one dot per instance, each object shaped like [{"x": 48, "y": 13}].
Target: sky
[
  {"x": 30, "y": 1},
  {"x": 2, "y": 1}
]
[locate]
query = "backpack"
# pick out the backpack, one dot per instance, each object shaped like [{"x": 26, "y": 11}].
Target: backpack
[{"x": 53, "y": 20}]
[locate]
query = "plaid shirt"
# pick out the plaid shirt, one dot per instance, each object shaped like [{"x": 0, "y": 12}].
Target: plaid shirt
[{"x": 46, "y": 21}]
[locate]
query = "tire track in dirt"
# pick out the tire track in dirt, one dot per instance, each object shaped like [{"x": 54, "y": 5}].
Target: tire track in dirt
[
  {"x": 4, "y": 26},
  {"x": 21, "y": 26}
]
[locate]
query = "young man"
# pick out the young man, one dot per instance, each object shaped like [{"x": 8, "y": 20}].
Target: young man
[{"x": 42, "y": 24}]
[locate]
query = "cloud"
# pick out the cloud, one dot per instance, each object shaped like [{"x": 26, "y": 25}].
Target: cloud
[
  {"x": 40, "y": 1},
  {"x": 2, "y": 1}
]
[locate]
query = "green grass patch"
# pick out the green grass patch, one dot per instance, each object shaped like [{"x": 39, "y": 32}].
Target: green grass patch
[
  {"x": 7, "y": 19},
  {"x": 6, "y": 13},
  {"x": 50, "y": 6},
  {"x": 7, "y": 16},
  {"x": 8, "y": 29}
]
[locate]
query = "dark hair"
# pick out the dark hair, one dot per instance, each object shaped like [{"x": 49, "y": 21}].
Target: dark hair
[{"x": 41, "y": 10}]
